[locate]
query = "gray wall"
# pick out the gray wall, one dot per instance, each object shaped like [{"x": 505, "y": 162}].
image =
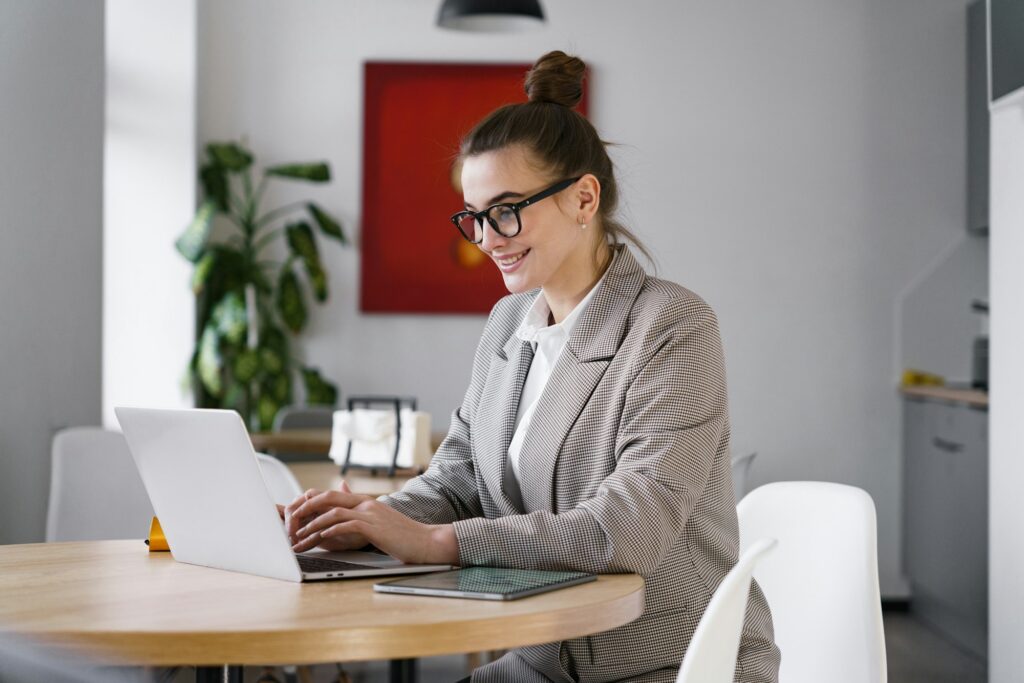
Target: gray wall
[
  {"x": 51, "y": 131},
  {"x": 797, "y": 163}
]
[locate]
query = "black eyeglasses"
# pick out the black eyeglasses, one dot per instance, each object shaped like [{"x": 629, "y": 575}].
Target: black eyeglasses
[{"x": 504, "y": 218}]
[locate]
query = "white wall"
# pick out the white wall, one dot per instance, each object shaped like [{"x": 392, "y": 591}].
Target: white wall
[
  {"x": 51, "y": 131},
  {"x": 149, "y": 194},
  {"x": 797, "y": 163},
  {"x": 1006, "y": 429}
]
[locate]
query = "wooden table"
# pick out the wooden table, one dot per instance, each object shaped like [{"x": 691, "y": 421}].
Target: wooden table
[
  {"x": 115, "y": 600},
  {"x": 315, "y": 441},
  {"x": 327, "y": 475}
]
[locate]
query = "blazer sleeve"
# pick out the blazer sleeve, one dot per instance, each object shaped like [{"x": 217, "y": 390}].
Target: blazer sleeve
[{"x": 674, "y": 417}]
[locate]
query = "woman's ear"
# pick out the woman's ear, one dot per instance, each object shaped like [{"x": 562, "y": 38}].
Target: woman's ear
[{"x": 587, "y": 198}]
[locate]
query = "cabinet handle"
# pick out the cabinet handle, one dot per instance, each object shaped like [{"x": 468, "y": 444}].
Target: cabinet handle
[{"x": 948, "y": 446}]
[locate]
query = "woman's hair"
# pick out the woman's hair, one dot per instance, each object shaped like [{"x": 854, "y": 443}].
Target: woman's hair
[{"x": 557, "y": 136}]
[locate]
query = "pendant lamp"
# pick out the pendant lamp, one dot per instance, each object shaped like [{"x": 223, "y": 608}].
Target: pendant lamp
[{"x": 490, "y": 15}]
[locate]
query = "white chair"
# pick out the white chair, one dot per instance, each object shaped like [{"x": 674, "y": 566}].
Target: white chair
[
  {"x": 822, "y": 582},
  {"x": 711, "y": 655},
  {"x": 281, "y": 483},
  {"x": 741, "y": 473},
  {"x": 95, "y": 489}
]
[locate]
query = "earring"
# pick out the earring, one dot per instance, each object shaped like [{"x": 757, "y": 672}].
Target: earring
[{"x": 583, "y": 226}]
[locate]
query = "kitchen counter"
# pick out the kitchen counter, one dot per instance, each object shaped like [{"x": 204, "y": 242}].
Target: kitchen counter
[{"x": 972, "y": 397}]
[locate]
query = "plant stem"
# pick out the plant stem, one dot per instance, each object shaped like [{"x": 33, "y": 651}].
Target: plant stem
[
  {"x": 275, "y": 213},
  {"x": 265, "y": 240}
]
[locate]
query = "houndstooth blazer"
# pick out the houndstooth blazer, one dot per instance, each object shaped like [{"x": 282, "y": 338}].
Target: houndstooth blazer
[{"x": 625, "y": 468}]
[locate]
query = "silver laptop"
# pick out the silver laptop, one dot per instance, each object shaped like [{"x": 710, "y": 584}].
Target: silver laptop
[{"x": 203, "y": 479}]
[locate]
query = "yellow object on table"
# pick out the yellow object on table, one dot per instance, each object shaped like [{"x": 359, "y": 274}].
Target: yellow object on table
[
  {"x": 917, "y": 378},
  {"x": 157, "y": 542}
]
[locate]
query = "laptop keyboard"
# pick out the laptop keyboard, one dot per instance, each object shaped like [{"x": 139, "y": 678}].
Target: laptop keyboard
[{"x": 321, "y": 564}]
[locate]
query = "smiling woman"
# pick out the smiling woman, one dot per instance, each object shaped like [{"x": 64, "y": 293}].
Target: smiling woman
[{"x": 594, "y": 435}]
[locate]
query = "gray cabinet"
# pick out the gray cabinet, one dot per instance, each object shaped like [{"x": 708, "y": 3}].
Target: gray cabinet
[
  {"x": 977, "y": 120},
  {"x": 946, "y": 518}
]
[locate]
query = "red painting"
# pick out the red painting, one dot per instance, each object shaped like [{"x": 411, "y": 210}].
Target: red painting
[{"x": 415, "y": 114}]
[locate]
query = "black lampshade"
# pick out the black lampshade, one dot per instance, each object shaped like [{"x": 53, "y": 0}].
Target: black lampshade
[{"x": 490, "y": 15}]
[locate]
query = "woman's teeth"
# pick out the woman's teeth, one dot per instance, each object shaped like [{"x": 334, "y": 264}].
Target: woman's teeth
[{"x": 512, "y": 259}]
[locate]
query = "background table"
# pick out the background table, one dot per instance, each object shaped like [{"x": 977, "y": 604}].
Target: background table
[
  {"x": 326, "y": 475},
  {"x": 312, "y": 441},
  {"x": 116, "y": 600}
]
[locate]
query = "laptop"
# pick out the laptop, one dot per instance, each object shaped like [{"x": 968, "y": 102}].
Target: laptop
[{"x": 204, "y": 482}]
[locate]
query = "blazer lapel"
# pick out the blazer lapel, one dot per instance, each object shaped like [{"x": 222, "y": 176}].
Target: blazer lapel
[
  {"x": 593, "y": 343},
  {"x": 500, "y": 398}
]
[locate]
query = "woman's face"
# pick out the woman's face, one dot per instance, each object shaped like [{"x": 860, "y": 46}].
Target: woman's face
[{"x": 551, "y": 250}]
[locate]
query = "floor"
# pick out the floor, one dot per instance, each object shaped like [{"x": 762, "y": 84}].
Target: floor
[{"x": 915, "y": 655}]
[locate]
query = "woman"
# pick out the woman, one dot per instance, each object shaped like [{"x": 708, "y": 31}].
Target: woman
[{"x": 594, "y": 435}]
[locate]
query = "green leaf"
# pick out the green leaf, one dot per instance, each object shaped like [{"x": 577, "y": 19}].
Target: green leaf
[
  {"x": 229, "y": 156},
  {"x": 192, "y": 242},
  {"x": 318, "y": 279},
  {"x": 318, "y": 172},
  {"x": 215, "y": 185},
  {"x": 267, "y": 409},
  {"x": 209, "y": 361},
  {"x": 220, "y": 269},
  {"x": 303, "y": 244},
  {"x": 273, "y": 339},
  {"x": 270, "y": 361},
  {"x": 203, "y": 271},
  {"x": 231, "y": 318},
  {"x": 282, "y": 388},
  {"x": 289, "y": 300},
  {"x": 318, "y": 390},
  {"x": 246, "y": 365},
  {"x": 328, "y": 225}
]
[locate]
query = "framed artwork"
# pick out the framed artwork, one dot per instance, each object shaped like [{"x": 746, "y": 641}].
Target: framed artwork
[{"x": 413, "y": 260}]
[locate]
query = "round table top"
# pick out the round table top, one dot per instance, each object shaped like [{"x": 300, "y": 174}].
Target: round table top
[{"x": 117, "y": 601}]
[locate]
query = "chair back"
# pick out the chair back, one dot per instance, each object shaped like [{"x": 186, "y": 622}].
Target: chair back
[
  {"x": 281, "y": 483},
  {"x": 95, "y": 490},
  {"x": 741, "y": 473},
  {"x": 711, "y": 655},
  {"x": 303, "y": 417},
  {"x": 822, "y": 583}
]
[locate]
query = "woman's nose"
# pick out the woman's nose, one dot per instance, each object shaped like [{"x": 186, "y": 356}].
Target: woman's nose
[{"x": 492, "y": 240}]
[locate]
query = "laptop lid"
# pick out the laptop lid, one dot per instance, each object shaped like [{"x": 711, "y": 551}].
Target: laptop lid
[{"x": 200, "y": 471}]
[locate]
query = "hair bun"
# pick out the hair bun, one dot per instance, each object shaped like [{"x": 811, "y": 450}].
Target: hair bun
[{"x": 557, "y": 78}]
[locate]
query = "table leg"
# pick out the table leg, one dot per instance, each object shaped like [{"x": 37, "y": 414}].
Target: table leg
[
  {"x": 219, "y": 674},
  {"x": 403, "y": 671}
]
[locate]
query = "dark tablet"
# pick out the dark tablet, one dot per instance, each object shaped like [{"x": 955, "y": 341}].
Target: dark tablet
[{"x": 484, "y": 583}]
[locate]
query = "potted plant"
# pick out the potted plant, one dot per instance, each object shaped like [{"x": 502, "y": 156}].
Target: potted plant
[{"x": 248, "y": 306}]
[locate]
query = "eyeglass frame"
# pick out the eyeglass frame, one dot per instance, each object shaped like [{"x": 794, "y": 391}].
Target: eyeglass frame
[{"x": 516, "y": 208}]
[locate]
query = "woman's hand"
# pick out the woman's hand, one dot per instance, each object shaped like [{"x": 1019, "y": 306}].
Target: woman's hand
[
  {"x": 337, "y": 520},
  {"x": 293, "y": 522}
]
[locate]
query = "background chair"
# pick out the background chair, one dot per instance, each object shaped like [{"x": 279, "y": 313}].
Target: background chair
[
  {"x": 711, "y": 655},
  {"x": 741, "y": 473},
  {"x": 302, "y": 417},
  {"x": 95, "y": 489},
  {"x": 280, "y": 482},
  {"x": 822, "y": 581}
]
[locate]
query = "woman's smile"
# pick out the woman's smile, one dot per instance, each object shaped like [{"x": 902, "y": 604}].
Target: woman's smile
[{"x": 510, "y": 262}]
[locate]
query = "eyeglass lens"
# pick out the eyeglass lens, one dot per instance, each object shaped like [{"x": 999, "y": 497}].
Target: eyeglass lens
[{"x": 502, "y": 217}]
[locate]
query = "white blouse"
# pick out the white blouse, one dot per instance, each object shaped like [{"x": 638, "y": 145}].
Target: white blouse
[{"x": 548, "y": 342}]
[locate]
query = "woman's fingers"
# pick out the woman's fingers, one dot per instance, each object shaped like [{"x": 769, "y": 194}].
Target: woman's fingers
[
  {"x": 330, "y": 518},
  {"x": 292, "y": 521},
  {"x": 318, "y": 529},
  {"x": 320, "y": 503}
]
